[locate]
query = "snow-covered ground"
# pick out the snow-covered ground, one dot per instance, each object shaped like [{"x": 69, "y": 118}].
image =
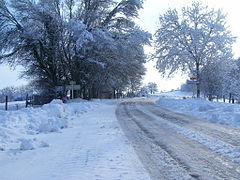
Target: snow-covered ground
[
  {"x": 77, "y": 140},
  {"x": 174, "y": 94},
  {"x": 83, "y": 140},
  {"x": 217, "y": 112}
]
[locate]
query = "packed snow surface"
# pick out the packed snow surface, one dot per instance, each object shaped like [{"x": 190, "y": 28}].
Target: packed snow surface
[
  {"x": 77, "y": 140},
  {"x": 174, "y": 94},
  {"x": 216, "y": 112}
]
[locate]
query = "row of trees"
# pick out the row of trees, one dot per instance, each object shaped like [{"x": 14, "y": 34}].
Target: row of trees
[
  {"x": 150, "y": 88},
  {"x": 21, "y": 92},
  {"x": 16, "y": 93},
  {"x": 95, "y": 43}
]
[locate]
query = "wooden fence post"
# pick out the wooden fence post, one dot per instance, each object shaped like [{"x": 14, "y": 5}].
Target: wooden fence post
[
  {"x": 27, "y": 100},
  {"x": 6, "y": 103}
]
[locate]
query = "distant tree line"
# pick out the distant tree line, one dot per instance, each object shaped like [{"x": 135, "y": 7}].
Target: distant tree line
[
  {"x": 94, "y": 43},
  {"x": 16, "y": 93},
  {"x": 150, "y": 88}
]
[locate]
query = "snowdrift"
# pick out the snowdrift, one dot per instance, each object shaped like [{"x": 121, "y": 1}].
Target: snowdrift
[
  {"x": 216, "y": 112},
  {"x": 17, "y": 128}
]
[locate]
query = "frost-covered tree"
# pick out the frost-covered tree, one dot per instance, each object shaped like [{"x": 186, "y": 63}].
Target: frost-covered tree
[
  {"x": 144, "y": 91},
  {"x": 95, "y": 43},
  {"x": 15, "y": 93},
  {"x": 215, "y": 78},
  {"x": 192, "y": 39},
  {"x": 152, "y": 87},
  {"x": 7, "y": 91},
  {"x": 232, "y": 79},
  {"x": 32, "y": 32}
]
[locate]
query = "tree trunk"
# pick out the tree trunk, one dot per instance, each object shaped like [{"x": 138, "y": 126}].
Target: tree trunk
[
  {"x": 198, "y": 80},
  {"x": 94, "y": 91},
  {"x": 6, "y": 103},
  {"x": 233, "y": 101},
  {"x": 90, "y": 93},
  {"x": 84, "y": 93},
  {"x": 230, "y": 97},
  {"x": 210, "y": 97},
  {"x": 114, "y": 94}
]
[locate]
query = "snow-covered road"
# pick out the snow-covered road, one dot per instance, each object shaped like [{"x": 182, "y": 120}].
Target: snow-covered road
[
  {"x": 93, "y": 147},
  {"x": 177, "y": 146},
  {"x": 84, "y": 140}
]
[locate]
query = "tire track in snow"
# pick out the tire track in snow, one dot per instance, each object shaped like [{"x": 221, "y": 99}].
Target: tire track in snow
[
  {"x": 159, "y": 163},
  {"x": 219, "y": 146},
  {"x": 226, "y": 134},
  {"x": 201, "y": 162}
]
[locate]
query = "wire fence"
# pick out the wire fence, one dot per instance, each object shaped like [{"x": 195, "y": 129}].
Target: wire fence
[
  {"x": 15, "y": 105},
  {"x": 30, "y": 101}
]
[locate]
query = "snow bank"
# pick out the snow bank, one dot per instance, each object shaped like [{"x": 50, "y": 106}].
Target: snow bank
[
  {"x": 217, "y": 112},
  {"x": 93, "y": 147},
  {"x": 17, "y": 128},
  {"x": 174, "y": 94}
]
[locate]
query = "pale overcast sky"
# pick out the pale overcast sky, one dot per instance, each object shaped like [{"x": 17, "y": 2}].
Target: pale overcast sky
[{"x": 148, "y": 20}]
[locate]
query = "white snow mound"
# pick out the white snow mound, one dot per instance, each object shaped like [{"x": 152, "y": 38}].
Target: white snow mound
[
  {"x": 18, "y": 127},
  {"x": 217, "y": 112}
]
